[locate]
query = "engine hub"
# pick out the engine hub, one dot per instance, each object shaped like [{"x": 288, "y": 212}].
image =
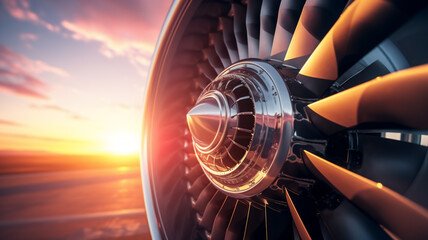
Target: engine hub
[{"x": 242, "y": 126}]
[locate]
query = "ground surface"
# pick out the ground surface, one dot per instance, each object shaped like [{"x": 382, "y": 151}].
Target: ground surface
[{"x": 63, "y": 201}]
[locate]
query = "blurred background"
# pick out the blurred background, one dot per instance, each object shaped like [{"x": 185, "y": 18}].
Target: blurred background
[{"x": 72, "y": 82}]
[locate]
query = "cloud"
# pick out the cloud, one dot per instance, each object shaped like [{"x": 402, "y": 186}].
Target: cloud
[
  {"x": 10, "y": 59},
  {"x": 50, "y": 107},
  {"x": 126, "y": 107},
  {"x": 21, "y": 89},
  {"x": 78, "y": 117},
  {"x": 123, "y": 28},
  {"x": 57, "y": 108},
  {"x": 43, "y": 138},
  {"x": 28, "y": 36},
  {"x": 17, "y": 74},
  {"x": 9, "y": 123},
  {"x": 20, "y": 9}
]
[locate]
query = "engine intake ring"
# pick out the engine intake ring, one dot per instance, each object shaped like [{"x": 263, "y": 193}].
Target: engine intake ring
[{"x": 242, "y": 126}]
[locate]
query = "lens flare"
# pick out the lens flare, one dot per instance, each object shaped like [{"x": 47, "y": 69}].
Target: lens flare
[{"x": 123, "y": 143}]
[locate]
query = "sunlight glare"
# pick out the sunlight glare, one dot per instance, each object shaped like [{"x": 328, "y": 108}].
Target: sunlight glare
[{"x": 123, "y": 143}]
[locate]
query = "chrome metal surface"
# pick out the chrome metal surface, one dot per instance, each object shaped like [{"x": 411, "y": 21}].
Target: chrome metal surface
[
  {"x": 250, "y": 127},
  {"x": 242, "y": 125},
  {"x": 207, "y": 120}
]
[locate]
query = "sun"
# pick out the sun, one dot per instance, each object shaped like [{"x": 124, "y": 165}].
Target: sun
[{"x": 123, "y": 143}]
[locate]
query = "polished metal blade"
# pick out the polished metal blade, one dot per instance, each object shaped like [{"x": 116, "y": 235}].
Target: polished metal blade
[
  {"x": 316, "y": 19},
  {"x": 301, "y": 229},
  {"x": 362, "y": 26},
  {"x": 393, "y": 211},
  {"x": 398, "y": 98}
]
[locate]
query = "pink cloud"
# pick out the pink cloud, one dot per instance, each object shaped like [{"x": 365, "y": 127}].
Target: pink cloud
[
  {"x": 43, "y": 138},
  {"x": 9, "y": 123},
  {"x": 50, "y": 107},
  {"x": 123, "y": 28},
  {"x": 17, "y": 74},
  {"x": 28, "y": 36},
  {"x": 20, "y": 9},
  {"x": 16, "y": 61},
  {"x": 25, "y": 86},
  {"x": 126, "y": 107},
  {"x": 57, "y": 108}
]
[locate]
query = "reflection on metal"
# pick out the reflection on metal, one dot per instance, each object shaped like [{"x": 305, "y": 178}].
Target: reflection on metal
[
  {"x": 394, "y": 211},
  {"x": 207, "y": 120},
  {"x": 250, "y": 125},
  {"x": 363, "y": 103},
  {"x": 339, "y": 48},
  {"x": 242, "y": 127},
  {"x": 303, "y": 233}
]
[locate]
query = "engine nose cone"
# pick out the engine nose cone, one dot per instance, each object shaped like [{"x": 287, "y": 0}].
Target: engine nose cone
[
  {"x": 207, "y": 120},
  {"x": 242, "y": 125},
  {"x": 204, "y": 121}
]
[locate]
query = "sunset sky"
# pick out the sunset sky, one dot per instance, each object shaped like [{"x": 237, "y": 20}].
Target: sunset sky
[{"x": 73, "y": 73}]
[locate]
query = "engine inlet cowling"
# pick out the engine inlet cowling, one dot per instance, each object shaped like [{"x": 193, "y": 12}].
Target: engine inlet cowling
[{"x": 241, "y": 128}]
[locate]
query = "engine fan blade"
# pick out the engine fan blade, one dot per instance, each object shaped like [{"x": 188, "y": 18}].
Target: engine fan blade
[
  {"x": 220, "y": 48},
  {"x": 190, "y": 160},
  {"x": 223, "y": 218},
  {"x": 288, "y": 16},
  {"x": 202, "y": 25},
  {"x": 204, "y": 197},
  {"x": 197, "y": 186},
  {"x": 213, "y": 207},
  {"x": 368, "y": 73},
  {"x": 346, "y": 221},
  {"x": 416, "y": 191},
  {"x": 212, "y": 9},
  {"x": 239, "y": 14},
  {"x": 206, "y": 69},
  {"x": 278, "y": 224},
  {"x": 189, "y": 58},
  {"x": 394, "y": 163},
  {"x": 202, "y": 81},
  {"x": 303, "y": 233},
  {"x": 396, "y": 213},
  {"x": 236, "y": 227},
  {"x": 268, "y": 19},
  {"x": 255, "y": 226},
  {"x": 253, "y": 27},
  {"x": 398, "y": 98},
  {"x": 317, "y": 17},
  {"x": 226, "y": 24},
  {"x": 194, "y": 173},
  {"x": 362, "y": 26},
  {"x": 213, "y": 59}
]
